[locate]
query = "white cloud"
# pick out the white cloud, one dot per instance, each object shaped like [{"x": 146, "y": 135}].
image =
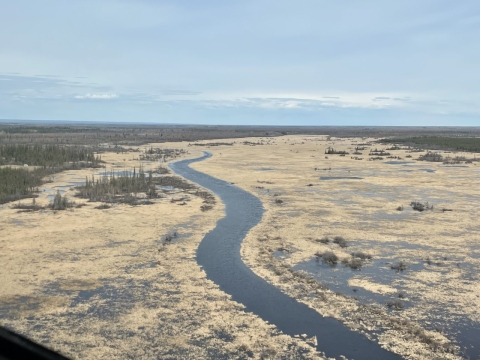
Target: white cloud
[
  {"x": 97, "y": 96},
  {"x": 306, "y": 100}
]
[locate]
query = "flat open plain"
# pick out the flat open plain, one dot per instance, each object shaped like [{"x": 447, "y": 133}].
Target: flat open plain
[{"x": 101, "y": 283}]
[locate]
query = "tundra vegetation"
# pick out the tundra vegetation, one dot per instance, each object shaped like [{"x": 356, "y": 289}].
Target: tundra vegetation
[{"x": 398, "y": 331}]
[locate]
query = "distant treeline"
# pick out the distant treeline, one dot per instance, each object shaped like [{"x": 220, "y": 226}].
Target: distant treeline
[
  {"x": 459, "y": 143},
  {"x": 19, "y": 129},
  {"x": 19, "y": 183}
]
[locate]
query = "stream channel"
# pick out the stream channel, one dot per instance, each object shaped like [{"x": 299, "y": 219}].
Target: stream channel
[{"x": 219, "y": 255}]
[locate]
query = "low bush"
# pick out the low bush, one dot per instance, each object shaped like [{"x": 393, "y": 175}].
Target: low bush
[
  {"x": 161, "y": 170},
  {"x": 353, "y": 263},
  {"x": 324, "y": 240},
  {"x": 361, "y": 255},
  {"x": 418, "y": 206},
  {"x": 395, "y": 304},
  {"x": 103, "y": 207},
  {"x": 340, "y": 241},
  {"x": 327, "y": 257},
  {"x": 28, "y": 207},
  {"x": 431, "y": 156},
  {"x": 399, "y": 266}
]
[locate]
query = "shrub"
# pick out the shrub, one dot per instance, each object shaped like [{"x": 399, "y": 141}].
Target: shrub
[
  {"x": 361, "y": 255},
  {"x": 161, "y": 170},
  {"x": 399, "y": 266},
  {"x": 340, "y": 241},
  {"x": 353, "y": 263},
  {"x": 395, "y": 304},
  {"x": 328, "y": 257},
  {"x": 431, "y": 156},
  {"x": 324, "y": 240},
  {"x": 418, "y": 206},
  {"x": 28, "y": 207},
  {"x": 103, "y": 206}
]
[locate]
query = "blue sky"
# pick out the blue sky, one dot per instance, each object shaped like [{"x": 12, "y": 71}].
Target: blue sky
[{"x": 303, "y": 62}]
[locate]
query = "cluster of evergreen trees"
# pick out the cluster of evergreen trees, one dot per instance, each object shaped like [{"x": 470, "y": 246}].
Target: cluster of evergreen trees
[
  {"x": 113, "y": 188},
  {"x": 459, "y": 143},
  {"x": 128, "y": 187},
  {"x": 19, "y": 183},
  {"x": 332, "y": 151},
  {"x": 16, "y": 184},
  {"x": 45, "y": 155}
]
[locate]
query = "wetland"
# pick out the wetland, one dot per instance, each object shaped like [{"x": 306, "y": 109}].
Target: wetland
[{"x": 233, "y": 250}]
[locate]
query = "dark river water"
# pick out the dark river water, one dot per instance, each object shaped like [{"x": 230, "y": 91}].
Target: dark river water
[{"x": 219, "y": 256}]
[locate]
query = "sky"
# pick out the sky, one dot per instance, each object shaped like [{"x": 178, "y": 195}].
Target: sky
[{"x": 265, "y": 62}]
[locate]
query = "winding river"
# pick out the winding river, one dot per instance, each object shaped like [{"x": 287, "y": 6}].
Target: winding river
[{"x": 219, "y": 255}]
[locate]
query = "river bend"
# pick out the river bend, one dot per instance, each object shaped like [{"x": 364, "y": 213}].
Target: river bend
[{"x": 219, "y": 255}]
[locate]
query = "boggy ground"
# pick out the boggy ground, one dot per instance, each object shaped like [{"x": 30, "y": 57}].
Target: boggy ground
[
  {"x": 101, "y": 284},
  {"x": 93, "y": 283},
  {"x": 309, "y": 195}
]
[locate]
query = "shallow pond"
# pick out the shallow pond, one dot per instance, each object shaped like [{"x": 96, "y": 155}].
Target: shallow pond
[{"x": 378, "y": 271}]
